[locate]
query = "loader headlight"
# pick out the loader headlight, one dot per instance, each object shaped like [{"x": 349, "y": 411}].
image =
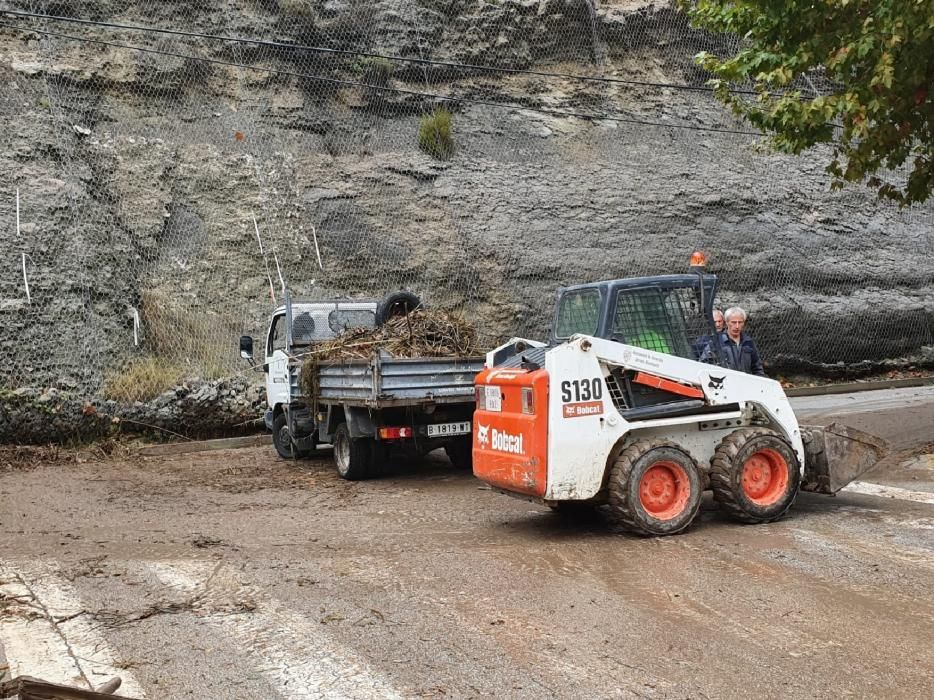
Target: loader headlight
[{"x": 528, "y": 400}]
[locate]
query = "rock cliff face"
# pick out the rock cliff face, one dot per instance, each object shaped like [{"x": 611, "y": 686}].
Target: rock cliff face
[{"x": 140, "y": 172}]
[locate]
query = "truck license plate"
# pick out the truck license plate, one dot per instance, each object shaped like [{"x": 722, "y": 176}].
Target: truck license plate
[{"x": 445, "y": 429}]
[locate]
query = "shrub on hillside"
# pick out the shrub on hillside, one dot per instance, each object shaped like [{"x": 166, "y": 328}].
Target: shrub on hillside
[
  {"x": 434, "y": 134},
  {"x": 376, "y": 71},
  {"x": 142, "y": 380}
]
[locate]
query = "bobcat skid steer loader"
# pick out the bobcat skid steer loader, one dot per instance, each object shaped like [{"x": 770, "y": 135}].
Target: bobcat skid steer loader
[{"x": 618, "y": 409}]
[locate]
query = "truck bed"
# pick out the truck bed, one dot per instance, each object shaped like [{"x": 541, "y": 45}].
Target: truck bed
[{"x": 387, "y": 381}]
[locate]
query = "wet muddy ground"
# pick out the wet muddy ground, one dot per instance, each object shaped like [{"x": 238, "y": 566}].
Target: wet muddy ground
[{"x": 238, "y": 575}]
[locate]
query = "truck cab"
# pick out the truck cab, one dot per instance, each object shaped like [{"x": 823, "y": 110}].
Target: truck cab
[{"x": 292, "y": 335}]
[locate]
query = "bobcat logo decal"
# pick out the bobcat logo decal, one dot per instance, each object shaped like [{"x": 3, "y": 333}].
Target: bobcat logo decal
[
  {"x": 483, "y": 435},
  {"x": 716, "y": 382}
]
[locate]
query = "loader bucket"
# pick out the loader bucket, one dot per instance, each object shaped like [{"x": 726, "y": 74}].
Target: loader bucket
[{"x": 836, "y": 454}]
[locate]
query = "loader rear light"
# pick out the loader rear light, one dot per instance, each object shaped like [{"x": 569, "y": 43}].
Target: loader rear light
[
  {"x": 528, "y": 400},
  {"x": 394, "y": 433}
]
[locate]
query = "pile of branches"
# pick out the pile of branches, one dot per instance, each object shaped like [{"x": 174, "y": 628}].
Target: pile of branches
[{"x": 420, "y": 333}]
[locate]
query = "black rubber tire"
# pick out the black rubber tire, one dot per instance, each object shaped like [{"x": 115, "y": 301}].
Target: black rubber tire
[
  {"x": 726, "y": 471},
  {"x": 281, "y": 439},
  {"x": 460, "y": 452},
  {"x": 626, "y": 508},
  {"x": 352, "y": 456},
  {"x": 396, "y": 304}
]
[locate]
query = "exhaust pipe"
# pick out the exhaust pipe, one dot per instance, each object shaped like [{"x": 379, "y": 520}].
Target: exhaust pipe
[{"x": 836, "y": 454}]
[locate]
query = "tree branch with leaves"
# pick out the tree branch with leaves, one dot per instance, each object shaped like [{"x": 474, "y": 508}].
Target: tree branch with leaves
[{"x": 875, "y": 56}]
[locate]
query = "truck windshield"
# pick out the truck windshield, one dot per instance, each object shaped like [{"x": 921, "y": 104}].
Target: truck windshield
[{"x": 578, "y": 312}]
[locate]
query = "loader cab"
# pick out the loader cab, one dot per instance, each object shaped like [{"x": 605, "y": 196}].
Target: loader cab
[{"x": 672, "y": 314}]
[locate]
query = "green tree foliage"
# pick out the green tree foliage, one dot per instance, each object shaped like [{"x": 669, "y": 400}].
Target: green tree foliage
[
  {"x": 877, "y": 54},
  {"x": 434, "y": 134}
]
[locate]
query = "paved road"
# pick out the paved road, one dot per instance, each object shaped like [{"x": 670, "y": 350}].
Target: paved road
[
  {"x": 236, "y": 575},
  {"x": 904, "y": 417}
]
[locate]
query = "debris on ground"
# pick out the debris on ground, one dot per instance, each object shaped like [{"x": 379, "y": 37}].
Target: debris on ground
[
  {"x": 795, "y": 381},
  {"x": 27, "y": 688},
  {"x": 24, "y": 457},
  {"x": 115, "y": 618},
  {"x": 421, "y": 333}
]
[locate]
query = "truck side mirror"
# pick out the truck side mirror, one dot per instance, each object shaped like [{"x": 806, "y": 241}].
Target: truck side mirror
[{"x": 246, "y": 347}]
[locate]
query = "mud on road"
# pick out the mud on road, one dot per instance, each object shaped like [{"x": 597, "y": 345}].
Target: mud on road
[{"x": 238, "y": 575}]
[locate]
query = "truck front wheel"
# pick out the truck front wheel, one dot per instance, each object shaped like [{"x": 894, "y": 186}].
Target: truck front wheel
[
  {"x": 281, "y": 439},
  {"x": 354, "y": 456}
]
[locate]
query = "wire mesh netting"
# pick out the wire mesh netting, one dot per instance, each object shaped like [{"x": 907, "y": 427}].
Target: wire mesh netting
[
  {"x": 662, "y": 320},
  {"x": 170, "y": 165}
]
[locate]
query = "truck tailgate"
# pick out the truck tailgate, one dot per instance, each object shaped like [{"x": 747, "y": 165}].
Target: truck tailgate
[{"x": 384, "y": 381}]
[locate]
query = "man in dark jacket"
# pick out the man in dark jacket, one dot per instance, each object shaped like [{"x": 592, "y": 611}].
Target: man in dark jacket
[
  {"x": 738, "y": 347},
  {"x": 701, "y": 344}
]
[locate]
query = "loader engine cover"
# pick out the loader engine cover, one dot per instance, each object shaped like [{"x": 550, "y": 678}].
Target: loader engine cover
[{"x": 510, "y": 429}]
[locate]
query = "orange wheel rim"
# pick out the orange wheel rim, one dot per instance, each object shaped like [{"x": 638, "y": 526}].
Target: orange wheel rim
[
  {"x": 664, "y": 490},
  {"x": 765, "y": 477}
]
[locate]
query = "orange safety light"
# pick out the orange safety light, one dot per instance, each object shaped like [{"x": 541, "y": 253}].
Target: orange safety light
[{"x": 699, "y": 259}]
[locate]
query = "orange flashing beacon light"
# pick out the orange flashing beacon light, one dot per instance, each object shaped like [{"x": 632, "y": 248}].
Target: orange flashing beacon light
[{"x": 699, "y": 259}]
